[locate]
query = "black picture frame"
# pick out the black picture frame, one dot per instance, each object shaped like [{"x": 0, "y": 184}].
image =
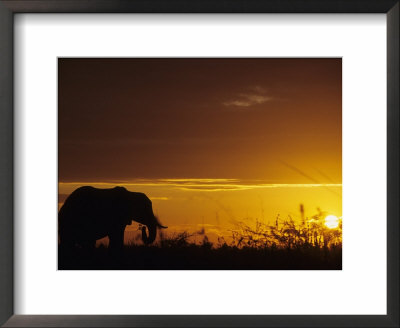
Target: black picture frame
[{"x": 10, "y": 7}]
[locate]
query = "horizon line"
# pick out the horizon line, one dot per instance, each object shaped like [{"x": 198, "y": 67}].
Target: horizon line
[{"x": 202, "y": 184}]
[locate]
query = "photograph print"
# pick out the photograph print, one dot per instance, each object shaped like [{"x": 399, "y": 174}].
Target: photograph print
[{"x": 199, "y": 164}]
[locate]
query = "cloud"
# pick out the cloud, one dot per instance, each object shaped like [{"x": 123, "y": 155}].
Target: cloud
[
  {"x": 198, "y": 184},
  {"x": 159, "y": 198},
  {"x": 256, "y": 95}
]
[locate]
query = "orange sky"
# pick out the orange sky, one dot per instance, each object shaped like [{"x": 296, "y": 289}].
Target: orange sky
[{"x": 260, "y": 131}]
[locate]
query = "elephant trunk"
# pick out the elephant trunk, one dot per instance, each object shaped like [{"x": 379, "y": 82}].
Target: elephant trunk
[{"x": 152, "y": 234}]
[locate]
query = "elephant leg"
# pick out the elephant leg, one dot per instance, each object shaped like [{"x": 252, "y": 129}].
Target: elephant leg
[
  {"x": 117, "y": 239},
  {"x": 67, "y": 244},
  {"x": 89, "y": 244}
]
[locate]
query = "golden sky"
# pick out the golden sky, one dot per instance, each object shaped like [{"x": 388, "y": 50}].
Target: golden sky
[{"x": 210, "y": 140}]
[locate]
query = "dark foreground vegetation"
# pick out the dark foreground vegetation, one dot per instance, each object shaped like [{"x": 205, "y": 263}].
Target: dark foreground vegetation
[
  {"x": 203, "y": 257},
  {"x": 309, "y": 245}
]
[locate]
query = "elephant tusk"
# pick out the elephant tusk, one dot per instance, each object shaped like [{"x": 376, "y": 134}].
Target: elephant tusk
[{"x": 159, "y": 225}]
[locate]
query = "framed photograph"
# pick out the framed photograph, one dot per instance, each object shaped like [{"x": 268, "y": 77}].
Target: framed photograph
[{"x": 199, "y": 164}]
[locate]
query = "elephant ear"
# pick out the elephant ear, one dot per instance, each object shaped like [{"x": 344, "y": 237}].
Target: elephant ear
[{"x": 122, "y": 205}]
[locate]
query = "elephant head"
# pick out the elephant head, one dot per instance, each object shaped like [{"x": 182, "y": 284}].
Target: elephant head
[{"x": 139, "y": 208}]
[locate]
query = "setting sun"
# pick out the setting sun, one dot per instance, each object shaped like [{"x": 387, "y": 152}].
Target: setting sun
[{"x": 332, "y": 222}]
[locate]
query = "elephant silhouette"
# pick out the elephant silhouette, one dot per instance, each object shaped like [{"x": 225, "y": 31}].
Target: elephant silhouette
[{"x": 89, "y": 214}]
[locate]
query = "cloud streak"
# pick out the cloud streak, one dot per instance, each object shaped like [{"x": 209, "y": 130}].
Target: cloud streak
[
  {"x": 198, "y": 184},
  {"x": 256, "y": 96}
]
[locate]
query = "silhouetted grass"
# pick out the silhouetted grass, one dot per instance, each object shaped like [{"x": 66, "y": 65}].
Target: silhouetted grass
[{"x": 309, "y": 245}]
